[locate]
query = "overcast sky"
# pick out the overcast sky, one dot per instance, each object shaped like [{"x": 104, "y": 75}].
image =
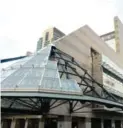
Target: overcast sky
[{"x": 23, "y": 21}]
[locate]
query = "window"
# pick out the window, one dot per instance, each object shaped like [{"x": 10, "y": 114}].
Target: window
[{"x": 47, "y": 36}]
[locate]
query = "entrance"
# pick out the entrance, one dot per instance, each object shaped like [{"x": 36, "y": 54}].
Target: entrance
[
  {"x": 117, "y": 124},
  {"x": 50, "y": 123},
  {"x": 20, "y": 123},
  {"x": 95, "y": 123},
  {"x": 33, "y": 123},
  {"x": 107, "y": 124},
  {"x": 74, "y": 125}
]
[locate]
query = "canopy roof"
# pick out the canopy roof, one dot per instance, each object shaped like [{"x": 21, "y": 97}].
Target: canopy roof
[{"x": 50, "y": 74}]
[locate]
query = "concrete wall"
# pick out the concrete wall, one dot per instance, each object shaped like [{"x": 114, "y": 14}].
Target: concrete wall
[
  {"x": 76, "y": 48},
  {"x": 54, "y": 34},
  {"x": 57, "y": 34},
  {"x": 97, "y": 67},
  {"x": 50, "y": 37},
  {"x": 113, "y": 85},
  {"x": 101, "y": 47},
  {"x": 119, "y": 36},
  {"x": 79, "y": 43}
]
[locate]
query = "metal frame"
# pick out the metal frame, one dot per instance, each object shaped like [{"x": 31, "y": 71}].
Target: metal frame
[
  {"x": 86, "y": 79},
  {"x": 11, "y": 59},
  {"x": 105, "y": 70},
  {"x": 68, "y": 68}
]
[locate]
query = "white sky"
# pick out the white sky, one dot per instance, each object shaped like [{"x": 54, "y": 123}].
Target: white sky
[{"x": 23, "y": 21}]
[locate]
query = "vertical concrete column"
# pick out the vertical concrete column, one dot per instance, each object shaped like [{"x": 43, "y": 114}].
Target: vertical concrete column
[
  {"x": 97, "y": 72},
  {"x": 64, "y": 122},
  {"x": 113, "y": 123},
  {"x": 96, "y": 66},
  {"x": 102, "y": 123},
  {"x": 121, "y": 123},
  {"x": 41, "y": 123},
  {"x": 13, "y": 123},
  {"x": 85, "y": 123},
  {"x": 26, "y": 123},
  {"x": 1, "y": 123}
]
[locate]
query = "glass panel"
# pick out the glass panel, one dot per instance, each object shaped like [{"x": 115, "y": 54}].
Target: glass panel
[
  {"x": 50, "y": 83},
  {"x": 12, "y": 80},
  {"x": 6, "y": 73},
  {"x": 29, "y": 83},
  {"x": 35, "y": 73},
  {"x": 23, "y": 66},
  {"x": 107, "y": 62},
  {"x": 50, "y": 73},
  {"x": 21, "y": 62},
  {"x": 5, "y": 102},
  {"x": 65, "y": 86},
  {"x": 32, "y": 79},
  {"x": 70, "y": 85},
  {"x": 51, "y": 64}
]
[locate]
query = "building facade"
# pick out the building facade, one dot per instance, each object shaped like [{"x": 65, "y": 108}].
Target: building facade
[
  {"x": 48, "y": 36},
  {"x": 81, "y": 58},
  {"x": 115, "y": 42}
]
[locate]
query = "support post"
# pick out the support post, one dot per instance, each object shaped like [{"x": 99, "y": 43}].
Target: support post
[
  {"x": 41, "y": 123},
  {"x": 1, "y": 123},
  {"x": 121, "y": 123},
  {"x": 113, "y": 123},
  {"x": 102, "y": 123},
  {"x": 26, "y": 123},
  {"x": 13, "y": 123},
  {"x": 88, "y": 123},
  {"x": 84, "y": 123},
  {"x": 64, "y": 122}
]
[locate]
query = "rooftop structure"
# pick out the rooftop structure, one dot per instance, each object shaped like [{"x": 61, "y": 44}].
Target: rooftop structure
[
  {"x": 48, "y": 36},
  {"x": 39, "y": 44},
  {"x": 114, "y": 39}
]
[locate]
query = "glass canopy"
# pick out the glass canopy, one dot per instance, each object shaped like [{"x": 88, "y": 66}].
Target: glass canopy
[{"x": 37, "y": 73}]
